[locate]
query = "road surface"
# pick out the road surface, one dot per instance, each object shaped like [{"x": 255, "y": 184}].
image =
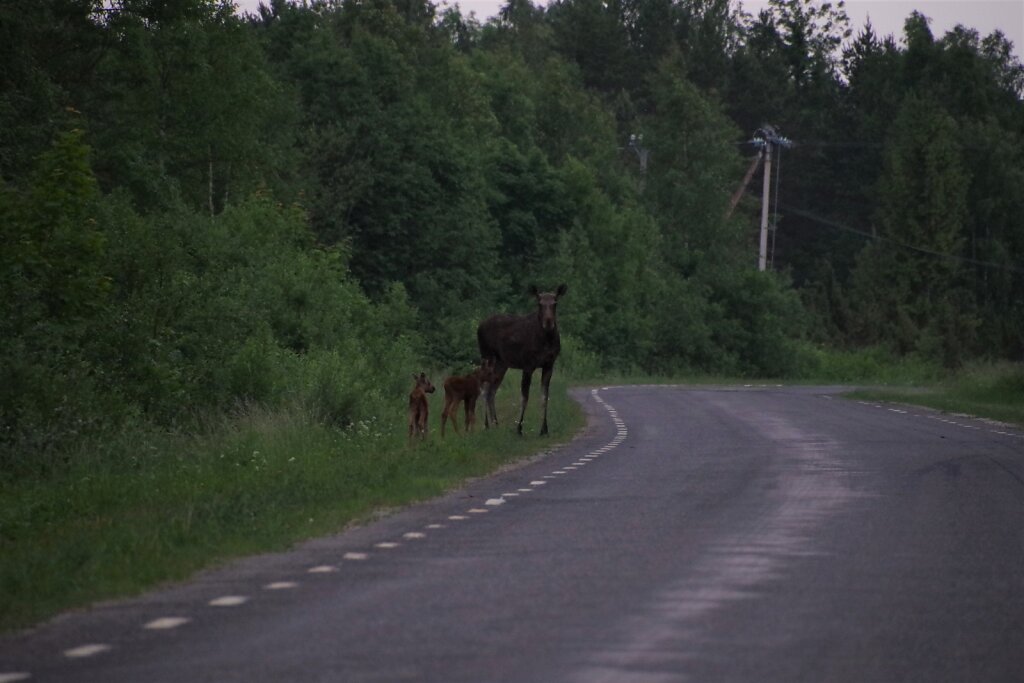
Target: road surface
[{"x": 748, "y": 534}]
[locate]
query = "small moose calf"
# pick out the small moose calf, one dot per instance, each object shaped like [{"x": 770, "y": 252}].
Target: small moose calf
[
  {"x": 419, "y": 408},
  {"x": 465, "y": 389}
]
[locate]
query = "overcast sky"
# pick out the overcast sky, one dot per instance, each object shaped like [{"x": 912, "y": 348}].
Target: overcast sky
[{"x": 887, "y": 16}]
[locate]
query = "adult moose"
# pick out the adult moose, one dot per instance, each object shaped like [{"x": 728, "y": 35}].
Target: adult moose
[{"x": 522, "y": 342}]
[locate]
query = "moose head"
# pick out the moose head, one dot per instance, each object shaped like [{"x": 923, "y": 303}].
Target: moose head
[{"x": 546, "y": 303}]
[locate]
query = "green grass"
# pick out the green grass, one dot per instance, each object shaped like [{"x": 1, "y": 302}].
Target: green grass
[
  {"x": 994, "y": 391},
  {"x": 141, "y": 509}
]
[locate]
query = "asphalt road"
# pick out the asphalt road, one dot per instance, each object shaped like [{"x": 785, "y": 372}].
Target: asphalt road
[{"x": 751, "y": 534}]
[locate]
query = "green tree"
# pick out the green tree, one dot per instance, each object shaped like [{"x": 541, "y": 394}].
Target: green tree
[
  {"x": 908, "y": 289},
  {"x": 186, "y": 107},
  {"x": 693, "y": 166}
]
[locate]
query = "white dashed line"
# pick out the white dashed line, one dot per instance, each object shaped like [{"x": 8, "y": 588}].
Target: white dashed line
[
  {"x": 537, "y": 482},
  {"x": 164, "y": 623},
  {"x": 457, "y": 517},
  {"x": 228, "y": 601},
  {"x": 280, "y": 585},
  {"x": 386, "y": 545},
  {"x": 412, "y": 535},
  {"x": 524, "y": 490},
  {"x": 477, "y": 511},
  {"x": 86, "y": 650},
  {"x": 434, "y": 526},
  {"x": 323, "y": 569},
  {"x": 495, "y": 501},
  {"x": 12, "y": 676},
  {"x": 357, "y": 557}
]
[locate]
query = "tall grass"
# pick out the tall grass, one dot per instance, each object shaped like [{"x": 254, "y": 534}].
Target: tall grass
[{"x": 142, "y": 507}]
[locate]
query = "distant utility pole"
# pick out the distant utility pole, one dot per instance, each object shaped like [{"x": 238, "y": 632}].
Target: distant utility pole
[
  {"x": 766, "y": 138},
  {"x": 636, "y": 143}
]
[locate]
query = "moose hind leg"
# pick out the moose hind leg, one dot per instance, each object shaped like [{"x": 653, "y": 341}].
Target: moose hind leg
[
  {"x": 525, "y": 388},
  {"x": 545, "y": 383}
]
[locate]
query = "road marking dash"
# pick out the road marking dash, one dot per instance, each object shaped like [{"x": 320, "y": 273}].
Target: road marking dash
[
  {"x": 228, "y": 601},
  {"x": 323, "y": 569},
  {"x": 356, "y": 557},
  {"x": 86, "y": 650},
  {"x": 280, "y": 585},
  {"x": 414, "y": 535},
  {"x": 164, "y": 623},
  {"x": 12, "y": 676}
]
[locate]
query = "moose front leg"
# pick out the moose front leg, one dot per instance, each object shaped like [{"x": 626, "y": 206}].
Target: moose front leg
[
  {"x": 545, "y": 383},
  {"x": 525, "y": 387}
]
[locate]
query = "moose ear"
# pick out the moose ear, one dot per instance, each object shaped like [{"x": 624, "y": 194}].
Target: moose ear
[
  {"x": 562, "y": 289},
  {"x": 533, "y": 290}
]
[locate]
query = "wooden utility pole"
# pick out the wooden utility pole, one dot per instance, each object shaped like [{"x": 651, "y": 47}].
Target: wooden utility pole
[
  {"x": 766, "y": 138},
  {"x": 762, "y": 254}
]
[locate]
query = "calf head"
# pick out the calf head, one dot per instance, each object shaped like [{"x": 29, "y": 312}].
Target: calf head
[
  {"x": 422, "y": 383},
  {"x": 485, "y": 373}
]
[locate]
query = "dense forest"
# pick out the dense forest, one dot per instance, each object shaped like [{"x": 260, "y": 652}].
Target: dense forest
[{"x": 201, "y": 210}]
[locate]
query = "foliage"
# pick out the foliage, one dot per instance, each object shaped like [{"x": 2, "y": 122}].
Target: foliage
[
  {"x": 206, "y": 215},
  {"x": 140, "y": 506},
  {"x": 212, "y": 210}
]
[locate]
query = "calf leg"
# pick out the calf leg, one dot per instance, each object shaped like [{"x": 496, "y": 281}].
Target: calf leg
[
  {"x": 470, "y": 413},
  {"x": 452, "y": 412},
  {"x": 423, "y": 422},
  {"x": 444, "y": 412},
  {"x": 490, "y": 412}
]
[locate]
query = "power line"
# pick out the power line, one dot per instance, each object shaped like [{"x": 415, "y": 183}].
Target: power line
[{"x": 903, "y": 245}]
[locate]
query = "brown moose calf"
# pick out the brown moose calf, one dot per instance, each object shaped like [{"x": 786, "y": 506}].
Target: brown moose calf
[
  {"x": 465, "y": 389},
  {"x": 419, "y": 408}
]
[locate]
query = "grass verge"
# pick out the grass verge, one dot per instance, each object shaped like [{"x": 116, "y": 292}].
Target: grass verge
[
  {"x": 143, "y": 508},
  {"x": 994, "y": 391}
]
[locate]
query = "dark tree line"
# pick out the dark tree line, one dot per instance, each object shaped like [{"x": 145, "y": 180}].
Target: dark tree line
[{"x": 200, "y": 210}]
